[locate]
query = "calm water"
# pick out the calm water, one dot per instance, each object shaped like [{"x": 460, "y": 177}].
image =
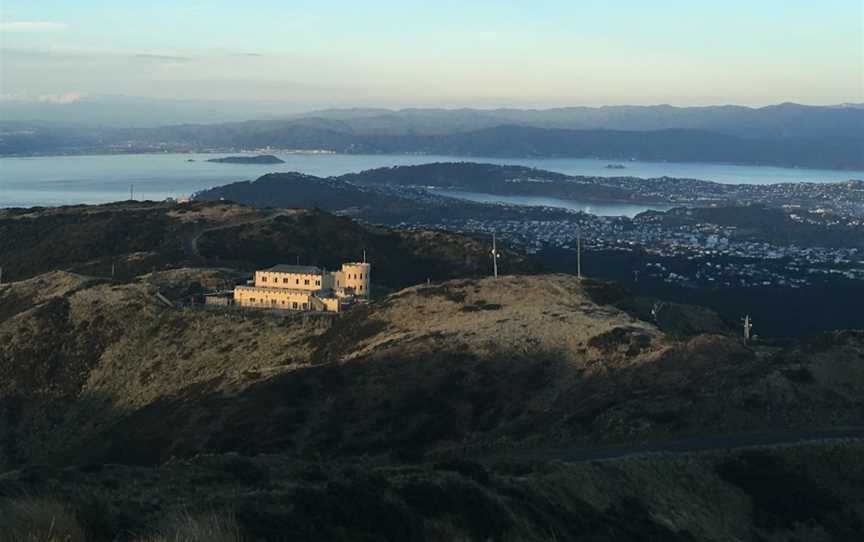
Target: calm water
[
  {"x": 66, "y": 180},
  {"x": 600, "y": 209}
]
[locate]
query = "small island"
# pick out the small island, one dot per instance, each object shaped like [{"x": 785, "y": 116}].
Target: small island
[
  {"x": 616, "y": 166},
  {"x": 260, "y": 159}
]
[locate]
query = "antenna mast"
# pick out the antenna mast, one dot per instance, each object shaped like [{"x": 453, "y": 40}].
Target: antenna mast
[{"x": 495, "y": 257}]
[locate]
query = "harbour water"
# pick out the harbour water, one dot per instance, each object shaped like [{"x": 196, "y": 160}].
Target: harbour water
[
  {"x": 69, "y": 180},
  {"x": 600, "y": 209}
]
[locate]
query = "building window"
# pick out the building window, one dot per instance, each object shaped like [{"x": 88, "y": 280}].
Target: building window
[
  {"x": 298, "y": 281},
  {"x": 306, "y": 282},
  {"x": 317, "y": 283},
  {"x": 305, "y": 306},
  {"x": 361, "y": 287},
  {"x": 263, "y": 279},
  {"x": 251, "y": 300},
  {"x": 284, "y": 281},
  {"x": 294, "y": 305}
]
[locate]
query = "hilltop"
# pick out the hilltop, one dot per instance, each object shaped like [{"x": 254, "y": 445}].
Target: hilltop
[
  {"x": 470, "y": 364},
  {"x": 133, "y": 238},
  {"x": 399, "y": 404}
]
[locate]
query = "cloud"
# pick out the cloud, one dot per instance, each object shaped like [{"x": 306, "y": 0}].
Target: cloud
[
  {"x": 171, "y": 58},
  {"x": 66, "y": 98},
  {"x": 31, "y": 26}
]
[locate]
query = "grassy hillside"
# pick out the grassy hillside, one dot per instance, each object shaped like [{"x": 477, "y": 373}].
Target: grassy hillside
[
  {"x": 439, "y": 412},
  {"x": 97, "y": 371},
  {"x": 400, "y": 257},
  {"x": 133, "y": 238},
  {"x": 804, "y": 492}
]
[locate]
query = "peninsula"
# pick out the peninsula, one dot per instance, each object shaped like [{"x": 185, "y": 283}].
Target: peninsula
[{"x": 259, "y": 159}]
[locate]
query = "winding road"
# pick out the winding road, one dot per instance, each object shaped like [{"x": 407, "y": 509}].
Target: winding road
[{"x": 190, "y": 239}]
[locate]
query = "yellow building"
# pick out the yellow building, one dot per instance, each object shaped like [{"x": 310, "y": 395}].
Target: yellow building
[{"x": 306, "y": 288}]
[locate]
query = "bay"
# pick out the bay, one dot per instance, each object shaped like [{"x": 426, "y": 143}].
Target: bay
[
  {"x": 69, "y": 180},
  {"x": 594, "y": 208}
]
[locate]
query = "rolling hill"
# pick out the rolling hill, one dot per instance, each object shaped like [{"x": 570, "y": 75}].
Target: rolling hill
[{"x": 455, "y": 410}]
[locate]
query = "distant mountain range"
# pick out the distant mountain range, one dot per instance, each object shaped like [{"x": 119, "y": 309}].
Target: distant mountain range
[
  {"x": 786, "y": 120},
  {"x": 787, "y": 135}
]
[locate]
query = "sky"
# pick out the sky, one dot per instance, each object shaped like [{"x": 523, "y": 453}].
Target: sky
[{"x": 407, "y": 53}]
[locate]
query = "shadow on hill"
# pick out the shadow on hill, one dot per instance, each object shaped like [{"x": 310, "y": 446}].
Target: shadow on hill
[
  {"x": 676, "y": 319},
  {"x": 444, "y": 400},
  {"x": 388, "y": 405},
  {"x": 38, "y": 429}
]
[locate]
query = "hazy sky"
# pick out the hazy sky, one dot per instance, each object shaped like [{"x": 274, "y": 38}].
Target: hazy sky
[{"x": 443, "y": 53}]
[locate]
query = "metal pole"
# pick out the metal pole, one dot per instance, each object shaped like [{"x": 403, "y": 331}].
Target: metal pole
[
  {"x": 494, "y": 257},
  {"x": 579, "y": 253}
]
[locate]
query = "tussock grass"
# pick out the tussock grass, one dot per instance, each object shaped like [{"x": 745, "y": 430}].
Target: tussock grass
[
  {"x": 38, "y": 520},
  {"x": 212, "y": 527},
  {"x": 47, "y": 520}
]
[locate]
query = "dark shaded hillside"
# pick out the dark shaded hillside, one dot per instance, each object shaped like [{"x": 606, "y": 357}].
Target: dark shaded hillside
[
  {"x": 496, "y": 179},
  {"x": 296, "y": 190},
  {"x": 34, "y": 241},
  {"x": 785, "y": 494},
  {"x": 133, "y": 238},
  {"x": 468, "y": 175},
  {"x": 348, "y": 196},
  {"x": 401, "y": 258},
  {"x": 441, "y": 412},
  {"x": 466, "y": 367}
]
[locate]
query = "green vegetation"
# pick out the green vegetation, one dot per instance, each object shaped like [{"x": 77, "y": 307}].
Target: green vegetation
[{"x": 793, "y": 493}]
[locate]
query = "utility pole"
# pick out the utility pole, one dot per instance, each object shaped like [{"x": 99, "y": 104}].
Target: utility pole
[
  {"x": 748, "y": 328},
  {"x": 495, "y": 257},
  {"x": 655, "y": 310},
  {"x": 579, "y": 253}
]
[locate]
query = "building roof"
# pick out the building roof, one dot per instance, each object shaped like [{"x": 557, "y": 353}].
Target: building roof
[{"x": 295, "y": 269}]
